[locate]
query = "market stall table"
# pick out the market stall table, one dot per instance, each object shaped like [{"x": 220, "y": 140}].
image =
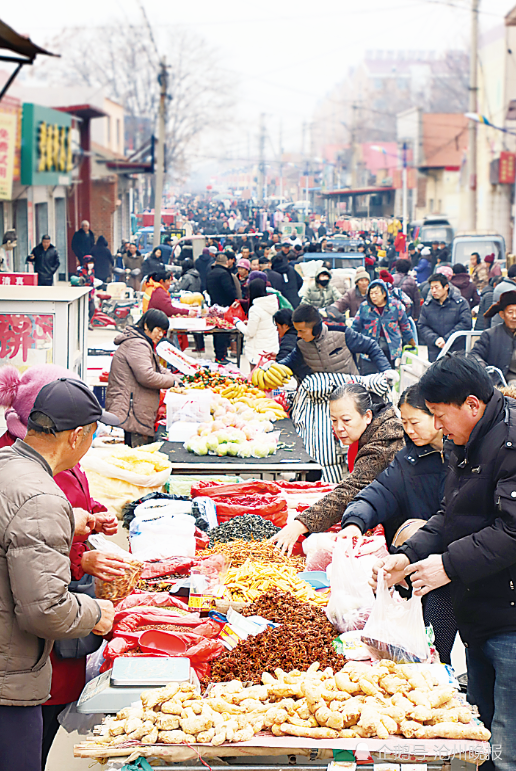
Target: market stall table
[
  {"x": 185, "y": 325},
  {"x": 295, "y": 460},
  {"x": 434, "y": 754}
]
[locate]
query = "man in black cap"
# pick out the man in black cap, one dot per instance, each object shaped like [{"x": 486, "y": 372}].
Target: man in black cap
[
  {"x": 497, "y": 345},
  {"x": 36, "y": 531}
]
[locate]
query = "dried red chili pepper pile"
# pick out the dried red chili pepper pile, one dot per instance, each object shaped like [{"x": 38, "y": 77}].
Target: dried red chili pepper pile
[{"x": 305, "y": 636}]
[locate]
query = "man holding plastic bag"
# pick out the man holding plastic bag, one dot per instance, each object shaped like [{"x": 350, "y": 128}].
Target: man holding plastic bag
[
  {"x": 471, "y": 542},
  {"x": 36, "y": 531}
]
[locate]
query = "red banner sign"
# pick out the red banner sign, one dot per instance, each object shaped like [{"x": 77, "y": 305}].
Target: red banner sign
[
  {"x": 506, "y": 168},
  {"x": 18, "y": 279}
]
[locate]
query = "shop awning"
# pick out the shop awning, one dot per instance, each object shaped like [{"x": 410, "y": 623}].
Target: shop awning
[
  {"x": 24, "y": 49},
  {"x": 359, "y": 191}
]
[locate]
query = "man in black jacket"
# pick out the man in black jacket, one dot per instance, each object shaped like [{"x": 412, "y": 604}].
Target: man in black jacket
[
  {"x": 275, "y": 279},
  {"x": 497, "y": 345},
  {"x": 45, "y": 259},
  {"x": 291, "y": 281},
  {"x": 442, "y": 314},
  {"x": 222, "y": 291},
  {"x": 471, "y": 542},
  {"x": 83, "y": 242}
]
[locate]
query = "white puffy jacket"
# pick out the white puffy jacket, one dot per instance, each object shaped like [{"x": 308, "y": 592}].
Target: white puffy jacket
[{"x": 260, "y": 333}]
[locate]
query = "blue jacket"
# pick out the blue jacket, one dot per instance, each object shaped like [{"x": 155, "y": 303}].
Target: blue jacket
[
  {"x": 411, "y": 487},
  {"x": 393, "y": 321},
  {"x": 355, "y": 343},
  {"x": 423, "y": 270},
  {"x": 436, "y": 320}
]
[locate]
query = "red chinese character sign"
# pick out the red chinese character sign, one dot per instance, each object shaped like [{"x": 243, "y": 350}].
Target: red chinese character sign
[
  {"x": 506, "y": 169},
  {"x": 26, "y": 339},
  {"x": 7, "y": 146},
  {"x": 18, "y": 279}
]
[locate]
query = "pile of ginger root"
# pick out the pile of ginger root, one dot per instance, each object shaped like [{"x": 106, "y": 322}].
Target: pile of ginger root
[{"x": 360, "y": 701}]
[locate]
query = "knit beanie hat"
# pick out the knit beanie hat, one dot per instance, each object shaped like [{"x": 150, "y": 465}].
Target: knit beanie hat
[
  {"x": 445, "y": 270},
  {"x": 18, "y": 392},
  {"x": 386, "y": 276}
]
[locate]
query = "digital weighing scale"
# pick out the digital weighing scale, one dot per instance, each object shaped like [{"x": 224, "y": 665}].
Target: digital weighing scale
[{"x": 121, "y": 686}]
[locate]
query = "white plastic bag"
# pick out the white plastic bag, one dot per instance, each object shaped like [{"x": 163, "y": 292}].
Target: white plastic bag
[
  {"x": 351, "y": 596},
  {"x": 194, "y": 406},
  {"x": 97, "y": 460},
  {"x": 396, "y": 629},
  {"x": 155, "y": 538},
  {"x": 318, "y": 548}
]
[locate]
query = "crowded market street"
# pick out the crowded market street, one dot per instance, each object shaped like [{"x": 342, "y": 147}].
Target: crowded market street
[{"x": 258, "y": 388}]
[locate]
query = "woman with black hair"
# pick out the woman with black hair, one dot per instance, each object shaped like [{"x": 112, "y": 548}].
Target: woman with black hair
[
  {"x": 286, "y": 331},
  {"x": 136, "y": 378},
  {"x": 153, "y": 262},
  {"x": 190, "y": 280},
  {"x": 404, "y": 496},
  {"x": 260, "y": 333},
  {"x": 465, "y": 285},
  {"x": 369, "y": 426},
  {"x": 159, "y": 284}
]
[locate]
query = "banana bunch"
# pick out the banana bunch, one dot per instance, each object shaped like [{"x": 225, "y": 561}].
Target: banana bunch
[
  {"x": 272, "y": 377},
  {"x": 270, "y": 406},
  {"x": 234, "y": 391}
]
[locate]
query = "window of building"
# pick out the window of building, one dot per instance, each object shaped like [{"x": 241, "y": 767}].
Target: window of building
[
  {"x": 118, "y": 133},
  {"x": 378, "y": 84},
  {"x": 108, "y": 130},
  {"x": 402, "y": 84}
]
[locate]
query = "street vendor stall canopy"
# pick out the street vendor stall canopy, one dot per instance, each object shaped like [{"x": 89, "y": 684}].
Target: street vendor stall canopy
[{"x": 26, "y": 51}]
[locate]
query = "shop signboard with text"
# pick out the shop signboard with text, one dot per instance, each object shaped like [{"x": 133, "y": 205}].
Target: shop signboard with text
[
  {"x": 46, "y": 148},
  {"x": 7, "y": 149}
]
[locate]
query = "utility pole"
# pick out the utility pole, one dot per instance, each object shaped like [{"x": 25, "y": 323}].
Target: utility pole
[
  {"x": 405, "y": 188},
  {"x": 281, "y": 160},
  {"x": 354, "y": 147},
  {"x": 261, "y": 155},
  {"x": 473, "y": 108},
  {"x": 160, "y": 153}
]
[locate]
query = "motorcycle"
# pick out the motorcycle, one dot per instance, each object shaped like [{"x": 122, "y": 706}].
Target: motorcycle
[
  {"x": 127, "y": 275},
  {"x": 112, "y": 313}
]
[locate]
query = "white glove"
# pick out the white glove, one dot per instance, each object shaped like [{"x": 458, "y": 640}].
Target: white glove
[
  {"x": 240, "y": 326},
  {"x": 391, "y": 376}
]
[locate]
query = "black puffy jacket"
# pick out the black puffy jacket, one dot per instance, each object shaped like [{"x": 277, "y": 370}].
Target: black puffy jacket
[
  {"x": 495, "y": 347},
  {"x": 476, "y": 529},
  {"x": 411, "y": 487},
  {"x": 220, "y": 286},
  {"x": 291, "y": 280},
  {"x": 287, "y": 343},
  {"x": 436, "y": 320}
]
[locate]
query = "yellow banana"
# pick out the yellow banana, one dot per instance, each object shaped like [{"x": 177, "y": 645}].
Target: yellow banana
[
  {"x": 274, "y": 379},
  {"x": 276, "y": 369},
  {"x": 260, "y": 377}
]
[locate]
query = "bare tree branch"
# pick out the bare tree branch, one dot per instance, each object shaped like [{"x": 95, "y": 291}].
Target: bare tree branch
[{"x": 124, "y": 63}]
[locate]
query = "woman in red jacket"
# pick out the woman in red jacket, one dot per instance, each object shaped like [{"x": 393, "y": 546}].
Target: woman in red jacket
[
  {"x": 17, "y": 394},
  {"x": 160, "y": 299}
]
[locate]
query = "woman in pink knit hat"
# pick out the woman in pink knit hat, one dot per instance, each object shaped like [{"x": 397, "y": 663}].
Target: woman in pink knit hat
[{"x": 17, "y": 394}]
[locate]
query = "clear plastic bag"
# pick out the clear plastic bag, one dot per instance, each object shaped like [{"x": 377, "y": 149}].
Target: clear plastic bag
[
  {"x": 318, "y": 548},
  {"x": 351, "y": 596},
  {"x": 94, "y": 662},
  {"x": 121, "y": 587},
  {"x": 71, "y": 720},
  {"x": 396, "y": 629}
]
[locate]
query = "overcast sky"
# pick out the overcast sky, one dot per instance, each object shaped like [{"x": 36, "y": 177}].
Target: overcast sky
[{"x": 282, "y": 55}]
